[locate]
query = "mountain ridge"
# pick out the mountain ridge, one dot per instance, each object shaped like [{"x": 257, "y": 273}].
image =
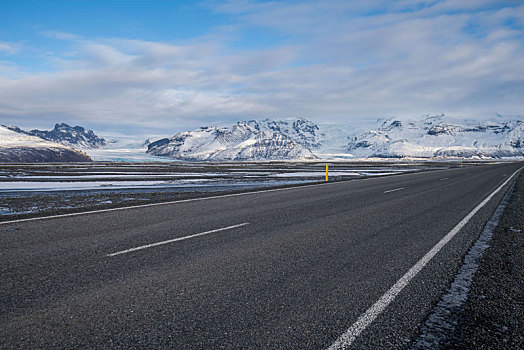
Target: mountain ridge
[
  {"x": 437, "y": 136},
  {"x": 18, "y": 147},
  {"x": 246, "y": 140},
  {"x": 428, "y": 137},
  {"x": 74, "y": 136}
]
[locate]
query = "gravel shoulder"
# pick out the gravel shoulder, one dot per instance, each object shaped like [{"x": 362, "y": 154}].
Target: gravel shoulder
[{"x": 492, "y": 316}]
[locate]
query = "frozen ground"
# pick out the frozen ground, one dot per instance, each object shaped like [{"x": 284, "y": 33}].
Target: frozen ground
[{"x": 33, "y": 189}]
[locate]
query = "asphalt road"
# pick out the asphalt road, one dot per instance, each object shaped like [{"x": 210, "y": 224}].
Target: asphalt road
[{"x": 291, "y": 268}]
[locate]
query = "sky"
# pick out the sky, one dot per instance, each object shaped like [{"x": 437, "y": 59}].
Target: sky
[{"x": 159, "y": 67}]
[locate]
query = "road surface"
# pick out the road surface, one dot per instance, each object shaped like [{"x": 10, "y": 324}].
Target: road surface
[{"x": 279, "y": 269}]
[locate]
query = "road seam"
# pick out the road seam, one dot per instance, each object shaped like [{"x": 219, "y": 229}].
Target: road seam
[
  {"x": 350, "y": 335},
  {"x": 176, "y": 239}
]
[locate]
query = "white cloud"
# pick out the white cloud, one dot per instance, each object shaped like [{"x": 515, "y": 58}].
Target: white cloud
[{"x": 340, "y": 61}]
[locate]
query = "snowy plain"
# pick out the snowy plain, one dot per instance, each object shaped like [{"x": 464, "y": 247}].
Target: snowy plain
[{"x": 41, "y": 188}]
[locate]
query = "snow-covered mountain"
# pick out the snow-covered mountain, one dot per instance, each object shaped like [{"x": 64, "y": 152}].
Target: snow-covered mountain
[
  {"x": 427, "y": 137},
  {"x": 302, "y": 131},
  {"x": 439, "y": 136},
  {"x": 16, "y": 147},
  {"x": 74, "y": 136},
  {"x": 247, "y": 140}
]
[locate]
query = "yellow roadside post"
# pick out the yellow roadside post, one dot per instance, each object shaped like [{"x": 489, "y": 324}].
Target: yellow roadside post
[
  {"x": 327, "y": 169},
  {"x": 461, "y": 164}
]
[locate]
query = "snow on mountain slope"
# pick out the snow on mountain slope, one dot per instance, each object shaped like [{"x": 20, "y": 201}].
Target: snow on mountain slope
[
  {"x": 18, "y": 147},
  {"x": 438, "y": 136},
  {"x": 428, "y": 137},
  {"x": 302, "y": 131},
  {"x": 74, "y": 136},
  {"x": 249, "y": 140}
]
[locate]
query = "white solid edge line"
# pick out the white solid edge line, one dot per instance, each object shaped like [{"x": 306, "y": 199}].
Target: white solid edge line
[
  {"x": 348, "y": 337},
  {"x": 396, "y": 189},
  {"x": 199, "y": 199},
  {"x": 176, "y": 239}
]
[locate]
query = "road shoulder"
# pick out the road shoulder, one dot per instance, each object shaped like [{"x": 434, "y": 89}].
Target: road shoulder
[{"x": 491, "y": 315}]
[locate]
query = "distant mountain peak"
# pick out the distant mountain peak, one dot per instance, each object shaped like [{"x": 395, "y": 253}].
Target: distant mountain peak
[
  {"x": 246, "y": 140},
  {"x": 390, "y": 124},
  {"x": 437, "y": 136},
  {"x": 17, "y": 146},
  {"x": 425, "y": 137},
  {"x": 74, "y": 136}
]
